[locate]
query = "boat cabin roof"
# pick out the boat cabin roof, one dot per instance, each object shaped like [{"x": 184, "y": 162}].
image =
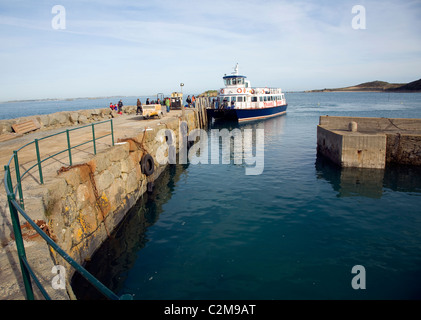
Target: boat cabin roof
[{"x": 233, "y": 76}]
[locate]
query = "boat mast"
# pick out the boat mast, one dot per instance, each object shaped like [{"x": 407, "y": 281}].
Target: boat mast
[{"x": 235, "y": 70}]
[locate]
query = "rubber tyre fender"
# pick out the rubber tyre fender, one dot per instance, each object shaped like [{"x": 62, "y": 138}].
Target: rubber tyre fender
[{"x": 147, "y": 164}]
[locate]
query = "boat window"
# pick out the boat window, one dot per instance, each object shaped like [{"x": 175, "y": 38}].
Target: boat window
[
  {"x": 234, "y": 81},
  {"x": 261, "y": 99},
  {"x": 233, "y": 99},
  {"x": 266, "y": 98},
  {"x": 253, "y": 99}
]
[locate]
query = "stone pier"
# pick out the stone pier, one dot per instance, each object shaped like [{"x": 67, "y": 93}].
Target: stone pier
[
  {"x": 369, "y": 142},
  {"x": 81, "y": 204}
]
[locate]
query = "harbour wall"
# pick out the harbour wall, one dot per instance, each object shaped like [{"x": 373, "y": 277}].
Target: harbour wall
[
  {"x": 85, "y": 202},
  {"x": 369, "y": 142}
]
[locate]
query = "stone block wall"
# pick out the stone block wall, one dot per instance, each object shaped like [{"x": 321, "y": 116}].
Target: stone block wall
[
  {"x": 85, "y": 202},
  {"x": 375, "y": 142},
  {"x": 329, "y": 144},
  {"x": 404, "y": 149},
  {"x": 370, "y": 124}
]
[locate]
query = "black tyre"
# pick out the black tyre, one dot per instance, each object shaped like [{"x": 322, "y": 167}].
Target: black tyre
[{"x": 147, "y": 165}]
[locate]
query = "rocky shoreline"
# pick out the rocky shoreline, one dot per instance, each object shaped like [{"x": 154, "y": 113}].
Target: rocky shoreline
[{"x": 60, "y": 119}]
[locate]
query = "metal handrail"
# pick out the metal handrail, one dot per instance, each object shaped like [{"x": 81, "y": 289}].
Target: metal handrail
[
  {"x": 17, "y": 208},
  {"x": 19, "y": 177}
]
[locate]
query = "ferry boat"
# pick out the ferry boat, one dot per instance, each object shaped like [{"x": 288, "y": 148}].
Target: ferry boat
[{"x": 238, "y": 101}]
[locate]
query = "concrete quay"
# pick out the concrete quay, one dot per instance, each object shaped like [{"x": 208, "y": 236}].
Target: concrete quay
[
  {"x": 67, "y": 202},
  {"x": 369, "y": 142}
]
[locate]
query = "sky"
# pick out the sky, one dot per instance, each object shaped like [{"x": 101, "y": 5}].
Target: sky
[{"x": 103, "y": 48}]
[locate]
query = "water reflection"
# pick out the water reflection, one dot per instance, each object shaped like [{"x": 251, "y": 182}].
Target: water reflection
[
  {"x": 244, "y": 144},
  {"x": 273, "y": 126},
  {"x": 369, "y": 183},
  {"x": 118, "y": 254}
]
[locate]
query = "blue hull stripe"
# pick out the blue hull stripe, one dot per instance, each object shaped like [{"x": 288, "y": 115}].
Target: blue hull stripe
[
  {"x": 246, "y": 114},
  {"x": 253, "y": 114}
]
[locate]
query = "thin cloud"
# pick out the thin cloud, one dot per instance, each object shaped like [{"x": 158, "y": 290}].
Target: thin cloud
[{"x": 297, "y": 45}]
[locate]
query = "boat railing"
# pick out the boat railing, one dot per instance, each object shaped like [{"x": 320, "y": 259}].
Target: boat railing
[{"x": 268, "y": 90}]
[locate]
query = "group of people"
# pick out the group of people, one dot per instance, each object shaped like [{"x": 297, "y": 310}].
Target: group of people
[
  {"x": 158, "y": 101},
  {"x": 117, "y": 107},
  {"x": 139, "y": 110},
  {"x": 167, "y": 103},
  {"x": 191, "y": 101}
]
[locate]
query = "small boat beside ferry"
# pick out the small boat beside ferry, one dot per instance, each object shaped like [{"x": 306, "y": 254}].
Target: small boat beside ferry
[{"x": 238, "y": 101}]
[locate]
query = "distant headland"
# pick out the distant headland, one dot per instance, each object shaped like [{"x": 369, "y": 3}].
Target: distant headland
[
  {"x": 373, "y": 86},
  {"x": 209, "y": 93},
  {"x": 378, "y": 86}
]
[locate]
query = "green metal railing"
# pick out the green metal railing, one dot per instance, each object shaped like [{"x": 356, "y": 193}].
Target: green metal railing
[{"x": 17, "y": 207}]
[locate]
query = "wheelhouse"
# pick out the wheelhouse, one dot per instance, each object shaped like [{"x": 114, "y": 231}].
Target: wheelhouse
[{"x": 236, "y": 81}]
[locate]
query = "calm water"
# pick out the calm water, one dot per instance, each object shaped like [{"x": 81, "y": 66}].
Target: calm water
[{"x": 293, "y": 232}]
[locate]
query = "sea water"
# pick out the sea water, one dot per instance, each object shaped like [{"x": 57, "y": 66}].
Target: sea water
[
  {"x": 17, "y": 109},
  {"x": 296, "y": 231}
]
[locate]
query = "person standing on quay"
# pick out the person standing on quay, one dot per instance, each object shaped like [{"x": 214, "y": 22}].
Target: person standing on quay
[
  {"x": 167, "y": 103},
  {"x": 120, "y": 107},
  {"x": 139, "y": 107}
]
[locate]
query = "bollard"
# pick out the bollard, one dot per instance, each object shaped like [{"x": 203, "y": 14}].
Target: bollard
[{"x": 353, "y": 126}]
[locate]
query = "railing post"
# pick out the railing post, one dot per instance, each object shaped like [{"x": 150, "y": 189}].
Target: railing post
[
  {"x": 93, "y": 137},
  {"x": 9, "y": 180},
  {"x": 20, "y": 247},
  {"x": 112, "y": 131},
  {"x": 69, "y": 147},
  {"x": 18, "y": 180},
  {"x": 41, "y": 178}
]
